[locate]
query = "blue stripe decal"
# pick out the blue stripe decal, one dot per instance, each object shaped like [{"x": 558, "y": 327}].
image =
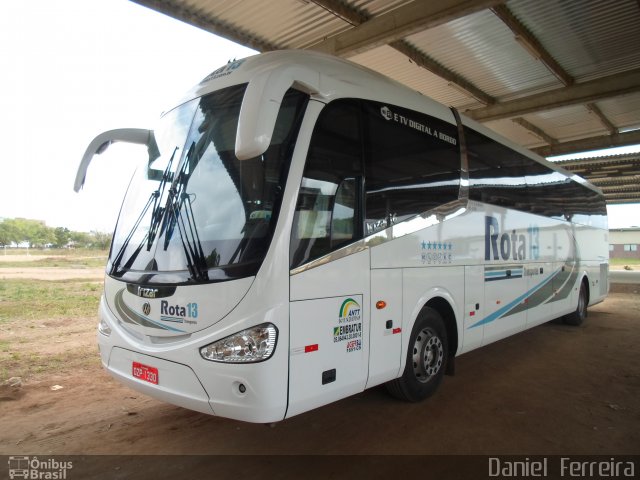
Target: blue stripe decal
[
  {"x": 172, "y": 319},
  {"x": 129, "y": 315},
  {"x": 500, "y": 312},
  {"x": 503, "y": 274},
  {"x": 166, "y": 327},
  {"x": 502, "y": 278}
]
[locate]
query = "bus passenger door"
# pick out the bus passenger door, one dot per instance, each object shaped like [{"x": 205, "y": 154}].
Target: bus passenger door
[
  {"x": 329, "y": 278},
  {"x": 329, "y": 329}
]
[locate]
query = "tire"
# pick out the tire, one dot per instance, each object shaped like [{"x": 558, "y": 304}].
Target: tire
[
  {"x": 577, "y": 317},
  {"x": 426, "y": 359}
]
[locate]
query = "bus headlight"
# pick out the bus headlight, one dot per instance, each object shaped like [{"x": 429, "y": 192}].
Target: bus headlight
[{"x": 254, "y": 344}]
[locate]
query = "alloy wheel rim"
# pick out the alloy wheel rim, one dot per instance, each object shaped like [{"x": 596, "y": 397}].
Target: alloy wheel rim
[{"x": 428, "y": 355}]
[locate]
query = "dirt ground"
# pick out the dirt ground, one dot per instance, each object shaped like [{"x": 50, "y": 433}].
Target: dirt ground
[{"x": 552, "y": 390}]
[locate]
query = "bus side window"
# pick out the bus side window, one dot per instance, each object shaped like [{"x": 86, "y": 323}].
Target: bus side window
[
  {"x": 327, "y": 214},
  {"x": 344, "y": 214},
  {"x": 412, "y": 164}
]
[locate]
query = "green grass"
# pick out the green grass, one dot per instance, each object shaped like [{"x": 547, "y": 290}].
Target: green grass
[
  {"x": 625, "y": 261},
  {"x": 49, "y": 252},
  {"x": 31, "y": 310},
  {"x": 40, "y": 299}
]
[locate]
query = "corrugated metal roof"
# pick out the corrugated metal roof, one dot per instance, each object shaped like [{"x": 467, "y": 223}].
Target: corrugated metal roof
[
  {"x": 389, "y": 62},
  {"x": 568, "y": 123},
  {"x": 516, "y": 133},
  {"x": 481, "y": 47},
  {"x": 483, "y": 54},
  {"x": 623, "y": 110},
  {"x": 589, "y": 38}
]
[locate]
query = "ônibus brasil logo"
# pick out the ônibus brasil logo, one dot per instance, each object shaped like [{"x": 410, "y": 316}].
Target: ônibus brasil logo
[{"x": 32, "y": 467}]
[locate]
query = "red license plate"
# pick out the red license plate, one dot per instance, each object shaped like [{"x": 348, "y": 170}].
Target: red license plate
[{"x": 145, "y": 372}]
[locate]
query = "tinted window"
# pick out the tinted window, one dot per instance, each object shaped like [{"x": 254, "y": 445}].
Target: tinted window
[
  {"x": 503, "y": 177},
  {"x": 496, "y": 173},
  {"x": 328, "y": 211},
  {"x": 412, "y": 164}
]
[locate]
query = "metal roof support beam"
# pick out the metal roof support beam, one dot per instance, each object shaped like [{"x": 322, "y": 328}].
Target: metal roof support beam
[
  {"x": 399, "y": 23},
  {"x": 530, "y": 43},
  {"x": 209, "y": 24},
  {"x": 593, "y": 108},
  {"x": 591, "y": 91},
  {"x": 342, "y": 10},
  {"x": 434, "y": 67},
  {"x": 356, "y": 16},
  {"x": 536, "y": 130},
  {"x": 592, "y": 143}
]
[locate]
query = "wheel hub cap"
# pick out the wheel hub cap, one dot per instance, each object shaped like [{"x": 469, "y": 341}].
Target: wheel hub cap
[{"x": 428, "y": 355}]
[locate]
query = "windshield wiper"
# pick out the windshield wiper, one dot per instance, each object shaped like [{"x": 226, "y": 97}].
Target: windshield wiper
[
  {"x": 116, "y": 261},
  {"x": 177, "y": 202},
  {"x": 158, "y": 211},
  {"x": 156, "y": 216}
]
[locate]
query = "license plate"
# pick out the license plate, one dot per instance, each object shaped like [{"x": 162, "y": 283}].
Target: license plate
[{"x": 145, "y": 372}]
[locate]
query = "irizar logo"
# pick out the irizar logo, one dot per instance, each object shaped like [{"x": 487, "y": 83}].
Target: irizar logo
[
  {"x": 502, "y": 246},
  {"x": 147, "y": 292}
]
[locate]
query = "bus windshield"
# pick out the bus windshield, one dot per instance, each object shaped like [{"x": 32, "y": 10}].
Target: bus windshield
[{"x": 197, "y": 213}]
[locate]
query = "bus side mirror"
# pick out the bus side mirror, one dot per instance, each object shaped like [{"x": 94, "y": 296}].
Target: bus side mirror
[
  {"x": 101, "y": 143},
  {"x": 261, "y": 105}
]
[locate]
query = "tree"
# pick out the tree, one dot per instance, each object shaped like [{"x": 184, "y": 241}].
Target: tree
[
  {"x": 101, "y": 240},
  {"x": 63, "y": 236},
  {"x": 33, "y": 232},
  {"x": 80, "y": 239},
  {"x": 7, "y": 233}
]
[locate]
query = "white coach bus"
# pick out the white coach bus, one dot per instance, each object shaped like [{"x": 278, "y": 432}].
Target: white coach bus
[{"x": 304, "y": 229}]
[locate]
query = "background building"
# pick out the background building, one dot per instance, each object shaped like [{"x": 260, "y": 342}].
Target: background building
[{"x": 624, "y": 242}]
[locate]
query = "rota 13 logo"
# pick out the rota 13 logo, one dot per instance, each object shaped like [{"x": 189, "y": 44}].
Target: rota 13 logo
[
  {"x": 509, "y": 245},
  {"x": 178, "y": 313}
]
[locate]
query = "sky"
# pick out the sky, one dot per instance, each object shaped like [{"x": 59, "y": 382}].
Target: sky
[{"x": 71, "y": 69}]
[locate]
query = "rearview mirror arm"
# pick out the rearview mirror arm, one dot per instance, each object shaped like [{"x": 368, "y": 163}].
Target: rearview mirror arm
[{"x": 101, "y": 143}]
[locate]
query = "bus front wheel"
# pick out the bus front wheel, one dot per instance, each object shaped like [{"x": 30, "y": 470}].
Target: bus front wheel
[{"x": 426, "y": 359}]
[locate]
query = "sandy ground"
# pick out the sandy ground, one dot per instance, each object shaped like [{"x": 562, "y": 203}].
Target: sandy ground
[
  {"x": 52, "y": 273},
  {"x": 553, "y": 390},
  {"x": 46, "y": 273}
]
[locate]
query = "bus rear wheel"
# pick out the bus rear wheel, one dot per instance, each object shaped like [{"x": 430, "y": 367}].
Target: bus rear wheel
[
  {"x": 577, "y": 317},
  {"x": 426, "y": 359}
]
